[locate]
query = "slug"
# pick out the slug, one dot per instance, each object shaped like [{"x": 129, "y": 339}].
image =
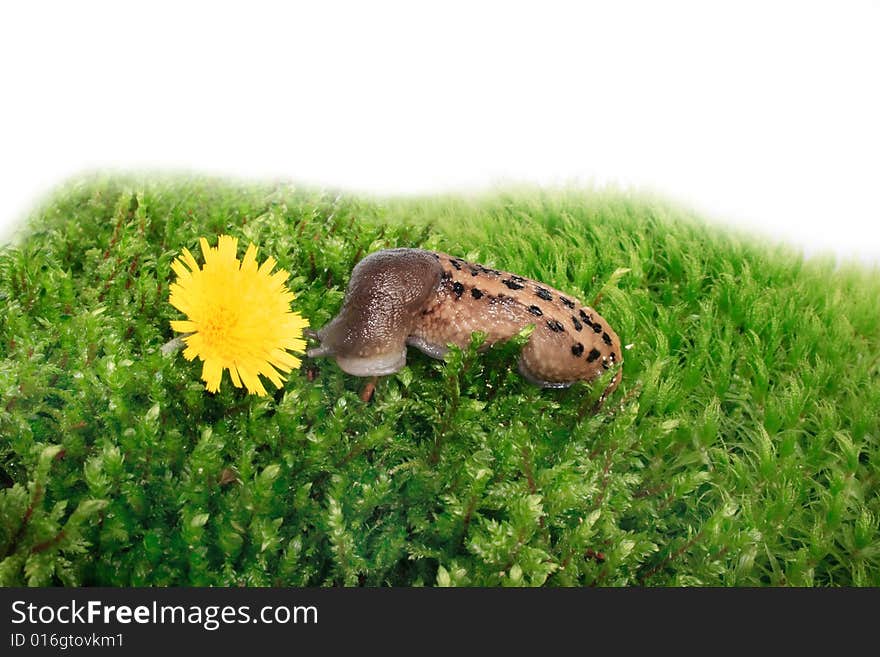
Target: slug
[{"x": 401, "y": 297}]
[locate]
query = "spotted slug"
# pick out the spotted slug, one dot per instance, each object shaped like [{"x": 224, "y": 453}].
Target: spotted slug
[{"x": 400, "y": 297}]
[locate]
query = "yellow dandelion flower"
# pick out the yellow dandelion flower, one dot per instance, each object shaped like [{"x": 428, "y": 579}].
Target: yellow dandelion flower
[{"x": 238, "y": 316}]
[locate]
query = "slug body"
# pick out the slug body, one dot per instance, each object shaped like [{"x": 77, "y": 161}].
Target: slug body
[{"x": 401, "y": 297}]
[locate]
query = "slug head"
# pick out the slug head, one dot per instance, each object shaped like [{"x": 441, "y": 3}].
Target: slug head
[{"x": 386, "y": 292}]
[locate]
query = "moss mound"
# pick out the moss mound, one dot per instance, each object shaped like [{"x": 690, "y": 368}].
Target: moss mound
[{"x": 741, "y": 448}]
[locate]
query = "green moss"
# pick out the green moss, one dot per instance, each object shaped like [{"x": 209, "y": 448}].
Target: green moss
[{"x": 741, "y": 448}]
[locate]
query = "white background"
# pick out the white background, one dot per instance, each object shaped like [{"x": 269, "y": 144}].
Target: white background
[{"x": 762, "y": 114}]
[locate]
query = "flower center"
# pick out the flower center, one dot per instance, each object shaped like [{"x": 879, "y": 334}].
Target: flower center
[{"x": 220, "y": 329}]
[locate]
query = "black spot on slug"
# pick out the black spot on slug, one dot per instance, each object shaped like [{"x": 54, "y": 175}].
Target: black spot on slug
[
  {"x": 543, "y": 294},
  {"x": 593, "y": 355},
  {"x": 474, "y": 272},
  {"x": 577, "y": 324},
  {"x": 518, "y": 279},
  {"x": 513, "y": 285},
  {"x": 567, "y": 302},
  {"x": 597, "y": 328},
  {"x": 588, "y": 319},
  {"x": 555, "y": 326},
  {"x": 606, "y": 338},
  {"x": 577, "y": 349},
  {"x": 535, "y": 310},
  {"x": 446, "y": 275},
  {"x": 476, "y": 294},
  {"x": 455, "y": 264},
  {"x": 458, "y": 288}
]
